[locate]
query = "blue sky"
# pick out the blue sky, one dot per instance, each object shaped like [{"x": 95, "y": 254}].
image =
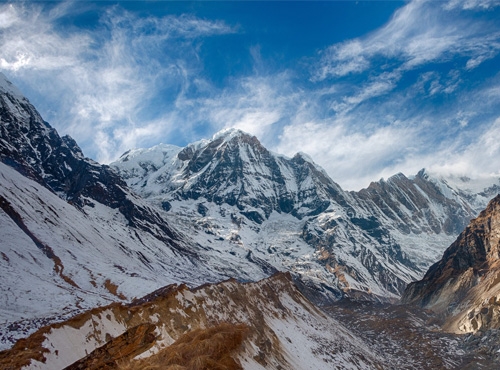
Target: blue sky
[{"x": 366, "y": 88}]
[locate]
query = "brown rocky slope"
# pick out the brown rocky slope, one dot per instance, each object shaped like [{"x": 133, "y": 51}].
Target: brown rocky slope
[
  {"x": 464, "y": 286},
  {"x": 230, "y": 325}
]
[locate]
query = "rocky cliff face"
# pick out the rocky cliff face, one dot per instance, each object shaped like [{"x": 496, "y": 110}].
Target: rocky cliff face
[
  {"x": 35, "y": 149},
  {"x": 288, "y": 214},
  {"x": 464, "y": 286},
  {"x": 408, "y": 204}
]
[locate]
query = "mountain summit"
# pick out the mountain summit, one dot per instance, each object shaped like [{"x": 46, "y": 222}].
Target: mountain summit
[{"x": 236, "y": 169}]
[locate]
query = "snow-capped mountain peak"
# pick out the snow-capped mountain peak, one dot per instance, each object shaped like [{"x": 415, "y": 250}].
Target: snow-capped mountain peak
[
  {"x": 7, "y": 87},
  {"x": 234, "y": 168},
  {"x": 228, "y": 134}
]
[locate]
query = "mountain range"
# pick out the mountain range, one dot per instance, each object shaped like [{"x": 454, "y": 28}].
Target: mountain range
[
  {"x": 77, "y": 235},
  {"x": 288, "y": 214}
]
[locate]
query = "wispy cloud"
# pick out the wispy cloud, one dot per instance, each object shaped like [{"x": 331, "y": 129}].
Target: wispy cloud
[
  {"x": 477, "y": 159},
  {"x": 343, "y": 59},
  {"x": 253, "y": 104},
  {"x": 418, "y": 33},
  {"x": 28, "y": 40},
  {"x": 472, "y": 4},
  {"x": 105, "y": 79},
  {"x": 374, "y": 87}
]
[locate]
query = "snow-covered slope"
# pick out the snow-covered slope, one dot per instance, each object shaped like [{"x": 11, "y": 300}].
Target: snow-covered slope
[
  {"x": 232, "y": 192},
  {"x": 282, "y": 331},
  {"x": 58, "y": 255}
]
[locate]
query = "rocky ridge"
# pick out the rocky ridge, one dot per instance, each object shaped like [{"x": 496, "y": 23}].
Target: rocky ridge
[
  {"x": 464, "y": 286},
  {"x": 276, "y": 326},
  {"x": 264, "y": 325}
]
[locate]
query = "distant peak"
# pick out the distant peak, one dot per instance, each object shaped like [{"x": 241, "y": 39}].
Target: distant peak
[
  {"x": 398, "y": 176},
  {"x": 7, "y": 87},
  {"x": 229, "y": 133},
  {"x": 423, "y": 173},
  {"x": 304, "y": 156}
]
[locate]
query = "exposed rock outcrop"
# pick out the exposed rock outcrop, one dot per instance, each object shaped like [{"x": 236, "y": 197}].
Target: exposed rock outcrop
[{"x": 464, "y": 286}]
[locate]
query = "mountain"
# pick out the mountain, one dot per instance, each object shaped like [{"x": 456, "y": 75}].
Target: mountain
[
  {"x": 464, "y": 286},
  {"x": 234, "y": 168},
  {"x": 289, "y": 215},
  {"x": 73, "y": 235},
  {"x": 80, "y": 241}
]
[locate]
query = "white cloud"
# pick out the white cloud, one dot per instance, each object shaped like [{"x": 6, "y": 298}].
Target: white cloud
[
  {"x": 102, "y": 78},
  {"x": 472, "y": 4},
  {"x": 28, "y": 41},
  {"x": 433, "y": 83},
  {"x": 478, "y": 159},
  {"x": 380, "y": 85},
  {"x": 341, "y": 60},
  {"x": 351, "y": 157},
  {"x": 8, "y": 16},
  {"x": 420, "y": 32},
  {"x": 253, "y": 104}
]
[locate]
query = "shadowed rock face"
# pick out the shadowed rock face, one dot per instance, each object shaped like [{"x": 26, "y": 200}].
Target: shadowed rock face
[
  {"x": 408, "y": 203},
  {"x": 35, "y": 149},
  {"x": 464, "y": 285}
]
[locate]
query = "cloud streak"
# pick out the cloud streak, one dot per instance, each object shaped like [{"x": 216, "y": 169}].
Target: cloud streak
[
  {"x": 418, "y": 33},
  {"x": 104, "y": 78}
]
